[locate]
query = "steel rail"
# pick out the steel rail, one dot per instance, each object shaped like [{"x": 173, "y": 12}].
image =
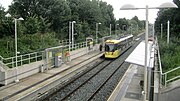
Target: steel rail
[{"x": 24, "y": 89}]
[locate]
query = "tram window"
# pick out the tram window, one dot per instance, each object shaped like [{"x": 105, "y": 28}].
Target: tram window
[{"x": 109, "y": 47}]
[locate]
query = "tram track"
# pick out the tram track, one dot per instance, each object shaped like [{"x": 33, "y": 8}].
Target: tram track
[
  {"x": 95, "y": 84},
  {"x": 76, "y": 71},
  {"x": 104, "y": 70},
  {"x": 96, "y": 87},
  {"x": 75, "y": 84},
  {"x": 63, "y": 82}
]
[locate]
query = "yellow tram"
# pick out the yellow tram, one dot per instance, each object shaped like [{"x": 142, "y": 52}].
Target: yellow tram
[{"x": 113, "y": 48}]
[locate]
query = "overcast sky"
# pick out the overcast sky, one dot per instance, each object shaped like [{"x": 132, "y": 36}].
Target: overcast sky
[
  {"x": 124, "y": 13},
  {"x": 137, "y": 3}
]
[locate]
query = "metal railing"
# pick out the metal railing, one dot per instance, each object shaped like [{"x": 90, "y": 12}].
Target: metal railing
[
  {"x": 78, "y": 46},
  {"x": 33, "y": 57},
  {"x": 64, "y": 42},
  {"x": 5, "y": 63},
  {"x": 159, "y": 61},
  {"x": 23, "y": 59},
  {"x": 167, "y": 76}
]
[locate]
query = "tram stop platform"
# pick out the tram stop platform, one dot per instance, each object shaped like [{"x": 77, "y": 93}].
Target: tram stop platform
[
  {"x": 129, "y": 88},
  {"x": 33, "y": 86}
]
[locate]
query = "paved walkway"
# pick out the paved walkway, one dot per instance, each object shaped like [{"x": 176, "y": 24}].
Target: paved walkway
[
  {"x": 171, "y": 92},
  {"x": 32, "y": 80},
  {"x": 128, "y": 88}
]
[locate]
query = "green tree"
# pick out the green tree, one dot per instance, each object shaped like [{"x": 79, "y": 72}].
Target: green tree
[
  {"x": 32, "y": 25},
  {"x": 6, "y": 24},
  {"x": 173, "y": 16}
]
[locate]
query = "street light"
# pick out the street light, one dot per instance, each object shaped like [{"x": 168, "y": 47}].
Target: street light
[
  {"x": 97, "y": 31},
  {"x": 110, "y": 29},
  {"x": 73, "y": 33},
  {"x": 15, "y": 20},
  {"x": 116, "y": 28},
  {"x": 132, "y": 7},
  {"x": 161, "y": 30},
  {"x": 69, "y": 38},
  {"x": 153, "y": 33},
  {"x": 168, "y": 23}
]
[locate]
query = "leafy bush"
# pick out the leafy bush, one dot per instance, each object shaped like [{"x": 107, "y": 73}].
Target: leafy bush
[
  {"x": 27, "y": 43},
  {"x": 170, "y": 54}
]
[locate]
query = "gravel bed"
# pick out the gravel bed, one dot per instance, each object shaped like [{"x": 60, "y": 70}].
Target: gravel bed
[
  {"x": 107, "y": 89},
  {"x": 90, "y": 87},
  {"x": 54, "y": 90},
  {"x": 66, "y": 90}
]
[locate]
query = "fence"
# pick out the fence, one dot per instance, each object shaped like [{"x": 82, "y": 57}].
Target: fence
[
  {"x": 34, "y": 57},
  {"x": 23, "y": 59},
  {"x": 171, "y": 75},
  {"x": 64, "y": 42},
  {"x": 78, "y": 46},
  {"x": 168, "y": 76}
]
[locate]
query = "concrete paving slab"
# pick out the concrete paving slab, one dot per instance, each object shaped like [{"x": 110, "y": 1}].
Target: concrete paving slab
[{"x": 128, "y": 88}]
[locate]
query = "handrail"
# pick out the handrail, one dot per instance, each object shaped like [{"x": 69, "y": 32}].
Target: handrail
[
  {"x": 173, "y": 79},
  {"x": 159, "y": 58},
  {"x": 172, "y": 70},
  {"x": 166, "y": 73},
  {"x": 3, "y": 66},
  {"x": 160, "y": 65},
  {"x": 21, "y": 58}
]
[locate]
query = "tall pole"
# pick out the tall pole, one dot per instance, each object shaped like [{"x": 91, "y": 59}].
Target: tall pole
[
  {"x": 161, "y": 30},
  {"x": 153, "y": 33},
  {"x": 96, "y": 32},
  {"x": 116, "y": 28},
  {"x": 131, "y": 28},
  {"x": 15, "y": 20},
  {"x": 110, "y": 29},
  {"x": 146, "y": 51},
  {"x": 73, "y": 33},
  {"x": 69, "y": 36},
  {"x": 168, "y": 32},
  {"x": 137, "y": 27}
]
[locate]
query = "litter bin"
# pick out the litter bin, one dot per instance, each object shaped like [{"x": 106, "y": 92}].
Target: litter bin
[{"x": 42, "y": 68}]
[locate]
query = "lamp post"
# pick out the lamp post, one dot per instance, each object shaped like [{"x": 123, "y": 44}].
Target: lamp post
[
  {"x": 116, "y": 28},
  {"x": 97, "y": 31},
  {"x": 131, "y": 7},
  {"x": 15, "y": 20},
  {"x": 153, "y": 33},
  {"x": 168, "y": 23},
  {"x": 73, "y": 33},
  {"x": 131, "y": 28},
  {"x": 110, "y": 29},
  {"x": 15, "y": 25},
  {"x": 69, "y": 38},
  {"x": 161, "y": 30}
]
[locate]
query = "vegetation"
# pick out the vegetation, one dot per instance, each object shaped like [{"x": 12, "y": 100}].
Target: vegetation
[
  {"x": 47, "y": 21},
  {"x": 170, "y": 53},
  {"x": 173, "y": 16}
]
